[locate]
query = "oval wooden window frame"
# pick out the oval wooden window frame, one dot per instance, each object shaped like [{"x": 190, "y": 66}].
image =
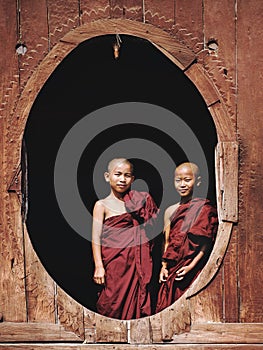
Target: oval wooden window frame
[{"x": 177, "y": 317}]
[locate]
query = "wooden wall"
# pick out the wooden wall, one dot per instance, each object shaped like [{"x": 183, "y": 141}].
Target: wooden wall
[{"x": 224, "y": 39}]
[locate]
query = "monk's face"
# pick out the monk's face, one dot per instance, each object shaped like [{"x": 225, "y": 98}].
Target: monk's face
[
  {"x": 184, "y": 181},
  {"x": 120, "y": 177}
]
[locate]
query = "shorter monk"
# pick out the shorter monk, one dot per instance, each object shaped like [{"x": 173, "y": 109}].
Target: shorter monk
[
  {"x": 121, "y": 244},
  {"x": 189, "y": 232}
]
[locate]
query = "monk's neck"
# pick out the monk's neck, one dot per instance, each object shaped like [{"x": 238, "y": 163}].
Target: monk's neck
[{"x": 185, "y": 200}]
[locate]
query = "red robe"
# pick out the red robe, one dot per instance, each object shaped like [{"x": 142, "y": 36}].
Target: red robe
[
  {"x": 126, "y": 256},
  {"x": 193, "y": 224}
]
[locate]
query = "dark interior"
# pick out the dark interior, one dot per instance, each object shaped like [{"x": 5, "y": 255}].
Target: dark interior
[{"x": 90, "y": 78}]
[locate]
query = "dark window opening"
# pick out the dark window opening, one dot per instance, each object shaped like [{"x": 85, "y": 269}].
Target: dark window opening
[{"x": 90, "y": 78}]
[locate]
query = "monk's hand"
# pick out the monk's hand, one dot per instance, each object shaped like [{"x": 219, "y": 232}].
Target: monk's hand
[
  {"x": 163, "y": 274},
  {"x": 99, "y": 275},
  {"x": 182, "y": 272}
]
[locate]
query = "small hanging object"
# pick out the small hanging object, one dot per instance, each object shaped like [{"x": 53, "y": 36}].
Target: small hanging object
[{"x": 116, "y": 47}]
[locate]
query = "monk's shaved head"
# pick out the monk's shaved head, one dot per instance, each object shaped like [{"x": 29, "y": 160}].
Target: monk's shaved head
[
  {"x": 191, "y": 166},
  {"x": 117, "y": 161}
]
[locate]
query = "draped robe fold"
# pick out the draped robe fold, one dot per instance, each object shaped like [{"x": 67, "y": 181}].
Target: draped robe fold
[
  {"x": 193, "y": 225},
  {"x": 126, "y": 255}
]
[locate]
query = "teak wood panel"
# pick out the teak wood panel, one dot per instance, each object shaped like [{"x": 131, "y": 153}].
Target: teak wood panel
[{"x": 249, "y": 160}]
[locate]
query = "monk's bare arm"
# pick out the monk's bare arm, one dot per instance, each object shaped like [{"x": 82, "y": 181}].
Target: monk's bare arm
[
  {"x": 185, "y": 269},
  {"x": 166, "y": 231},
  {"x": 97, "y": 224}
]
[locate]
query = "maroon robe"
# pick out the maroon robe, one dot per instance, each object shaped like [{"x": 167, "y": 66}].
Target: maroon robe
[
  {"x": 126, "y": 256},
  {"x": 193, "y": 224}
]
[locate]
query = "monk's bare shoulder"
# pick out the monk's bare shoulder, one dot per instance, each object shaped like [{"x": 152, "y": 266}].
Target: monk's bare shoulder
[{"x": 170, "y": 210}]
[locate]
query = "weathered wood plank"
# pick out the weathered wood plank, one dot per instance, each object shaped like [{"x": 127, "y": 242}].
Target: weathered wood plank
[
  {"x": 89, "y": 326},
  {"x": 33, "y": 14},
  {"x": 215, "y": 13},
  {"x": 91, "y": 10},
  {"x": 215, "y": 259},
  {"x": 110, "y": 330},
  {"x": 250, "y": 127},
  {"x": 140, "y": 331},
  {"x": 175, "y": 319},
  {"x": 64, "y": 346},
  {"x": 160, "y": 16},
  {"x": 191, "y": 18},
  {"x": 63, "y": 15},
  {"x": 221, "y": 42},
  {"x": 207, "y": 306},
  {"x": 200, "y": 334},
  {"x": 222, "y": 120},
  {"x": 40, "y": 288},
  {"x": 36, "y": 332},
  {"x": 199, "y": 77},
  {"x": 129, "y": 9},
  {"x": 220, "y": 333},
  {"x": 12, "y": 286},
  {"x": 70, "y": 313},
  {"x": 230, "y": 280},
  {"x": 227, "y": 180}
]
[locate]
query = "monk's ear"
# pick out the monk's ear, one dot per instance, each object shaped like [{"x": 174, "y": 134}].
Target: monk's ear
[
  {"x": 198, "y": 181},
  {"x": 107, "y": 176},
  {"x": 132, "y": 179}
]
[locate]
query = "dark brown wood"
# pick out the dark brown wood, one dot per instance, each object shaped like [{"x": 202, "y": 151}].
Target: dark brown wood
[
  {"x": 223, "y": 56},
  {"x": 230, "y": 31},
  {"x": 34, "y": 33},
  {"x": 230, "y": 280},
  {"x": 12, "y": 286},
  {"x": 227, "y": 191},
  {"x": 250, "y": 128}
]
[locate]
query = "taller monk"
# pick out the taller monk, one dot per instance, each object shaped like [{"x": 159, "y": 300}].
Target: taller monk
[{"x": 121, "y": 245}]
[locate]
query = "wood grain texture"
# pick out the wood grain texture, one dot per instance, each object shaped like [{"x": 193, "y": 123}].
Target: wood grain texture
[
  {"x": 63, "y": 15},
  {"x": 70, "y": 314},
  {"x": 230, "y": 280},
  {"x": 227, "y": 191},
  {"x": 12, "y": 286},
  {"x": 140, "y": 331},
  {"x": 40, "y": 288},
  {"x": 110, "y": 330},
  {"x": 36, "y": 332},
  {"x": 89, "y": 326},
  {"x": 160, "y": 16},
  {"x": 129, "y": 9},
  {"x": 34, "y": 33},
  {"x": 189, "y": 20},
  {"x": 66, "y": 346},
  {"x": 250, "y": 129},
  {"x": 91, "y": 10}
]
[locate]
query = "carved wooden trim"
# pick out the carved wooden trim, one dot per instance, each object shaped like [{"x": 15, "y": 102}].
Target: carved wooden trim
[{"x": 176, "y": 318}]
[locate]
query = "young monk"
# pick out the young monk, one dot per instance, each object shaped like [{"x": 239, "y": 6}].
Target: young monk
[
  {"x": 189, "y": 232},
  {"x": 121, "y": 245}
]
